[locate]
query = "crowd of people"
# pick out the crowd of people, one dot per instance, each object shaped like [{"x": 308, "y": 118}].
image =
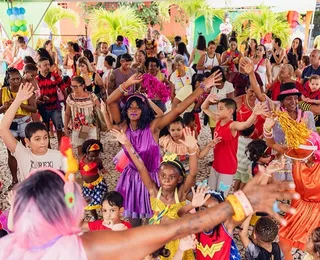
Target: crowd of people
[{"x": 262, "y": 107}]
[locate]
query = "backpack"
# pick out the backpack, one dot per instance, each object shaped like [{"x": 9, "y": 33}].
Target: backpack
[{"x": 275, "y": 254}]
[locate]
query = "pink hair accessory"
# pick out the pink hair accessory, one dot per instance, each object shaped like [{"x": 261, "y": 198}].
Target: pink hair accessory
[{"x": 245, "y": 203}]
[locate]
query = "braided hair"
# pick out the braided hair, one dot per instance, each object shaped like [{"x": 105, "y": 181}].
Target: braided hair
[{"x": 7, "y": 76}]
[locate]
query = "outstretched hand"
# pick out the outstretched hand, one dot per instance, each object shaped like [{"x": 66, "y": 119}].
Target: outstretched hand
[
  {"x": 199, "y": 196},
  {"x": 25, "y": 92},
  {"x": 213, "y": 80},
  {"x": 134, "y": 79},
  {"x": 262, "y": 197},
  {"x": 120, "y": 136},
  {"x": 269, "y": 123},
  {"x": 246, "y": 65},
  {"x": 274, "y": 166},
  {"x": 261, "y": 109},
  {"x": 190, "y": 140}
]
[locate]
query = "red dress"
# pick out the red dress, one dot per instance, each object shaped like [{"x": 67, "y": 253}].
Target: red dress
[
  {"x": 244, "y": 113},
  {"x": 225, "y": 152},
  {"x": 307, "y": 218}
]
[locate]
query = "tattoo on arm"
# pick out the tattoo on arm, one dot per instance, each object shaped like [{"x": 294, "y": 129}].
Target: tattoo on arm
[{"x": 135, "y": 153}]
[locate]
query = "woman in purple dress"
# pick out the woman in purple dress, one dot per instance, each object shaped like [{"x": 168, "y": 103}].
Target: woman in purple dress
[{"x": 142, "y": 129}]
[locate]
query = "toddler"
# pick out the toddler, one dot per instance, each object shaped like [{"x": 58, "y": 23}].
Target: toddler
[{"x": 313, "y": 245}]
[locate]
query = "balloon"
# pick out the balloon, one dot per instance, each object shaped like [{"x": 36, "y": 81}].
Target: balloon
[
  {"x": 18, "y": 23},
  {"x": 14, "y": 28},
  {"x": 16, "y": 11},
  {"x": 13, "y": 17},
  {"x": 9, "y": 11},
  {"x": 11, "y": 23},
  {"x": 24, "y": 22},
  {"x": 22, "y": 10},
  {"x": 23, "y": 28},
  {"x": 21, "y": 17}
]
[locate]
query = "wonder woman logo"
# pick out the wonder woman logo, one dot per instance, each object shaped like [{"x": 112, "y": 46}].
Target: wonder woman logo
[{"x": 210, "y": 251}]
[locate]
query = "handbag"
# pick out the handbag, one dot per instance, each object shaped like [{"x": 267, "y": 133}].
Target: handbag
[
  {"x": 99, "y": 117},
  {"x": 84, "y": 131}
]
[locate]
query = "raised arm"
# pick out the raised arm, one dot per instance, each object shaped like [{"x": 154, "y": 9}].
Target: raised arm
[
  {"x": 243, "y": 234},
  {"x": 191, "y": 57},
  {"x": 205, "y": 105},
  {"x": 115, "y": 95},
  {"x": 268, "y": 135},
  {"x": 247, "y": 66},
  {"x": 259, "y": 109},
  {"x": 147, "y": 181},
  {"x": 142, "y": 241},
  {"x": 24, "y": 93},
  {"x": 162, "y": 121}
]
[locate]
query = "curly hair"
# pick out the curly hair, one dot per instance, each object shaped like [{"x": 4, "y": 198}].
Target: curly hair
[
  {"x": 266, "y": 229},
  {"x": 163, "y": 251},
  {"x": 255, "y": 149},
  {"x": 88, "y": 143},
  {"x": 315, "y": 236}
]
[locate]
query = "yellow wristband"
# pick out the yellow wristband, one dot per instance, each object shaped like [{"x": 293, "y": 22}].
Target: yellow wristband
[{"x": 239, "y": 213}]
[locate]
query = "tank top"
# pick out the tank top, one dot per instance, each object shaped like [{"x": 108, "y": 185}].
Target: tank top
[
  {"x": 262, "y": 71},
  {"x": 197, "y": 56},
  {"x": 209, "y": 62},
  {"x": 118, "y": 50},
  {"x": 214, "y": 247},
  {"x": 7, "y": 95},
  {"x": 225, "y": 153}
]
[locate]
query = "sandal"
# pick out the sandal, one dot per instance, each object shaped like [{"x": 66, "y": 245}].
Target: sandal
[{"x": 12, "y": 185}]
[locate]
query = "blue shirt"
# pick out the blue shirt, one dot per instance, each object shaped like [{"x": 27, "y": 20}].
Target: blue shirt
[
  {"x": 118, "y": 50},
  {"x": 308, "y": 71}
]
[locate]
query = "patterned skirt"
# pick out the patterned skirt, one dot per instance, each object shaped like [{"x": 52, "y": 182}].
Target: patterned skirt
[{"x": 96, "y": 191}]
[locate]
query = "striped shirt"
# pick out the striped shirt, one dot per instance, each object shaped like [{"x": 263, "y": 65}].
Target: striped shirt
[
  {"x": 243, "y": 160},
  {"x": 48, "y": 87}
]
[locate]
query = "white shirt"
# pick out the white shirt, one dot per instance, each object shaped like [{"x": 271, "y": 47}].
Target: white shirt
[
  {"x": 221, "y": 93},
  {"x": 100, "y": 61},
  {"x": 180, "y": 82},
  {"x": 27, "y": 161},
  {"x": 22, "y": 53}
]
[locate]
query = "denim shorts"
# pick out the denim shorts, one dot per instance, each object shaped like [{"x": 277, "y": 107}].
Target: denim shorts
[
  {"x": 22, "y": 123},
  {"x": 55, "y": 116}
]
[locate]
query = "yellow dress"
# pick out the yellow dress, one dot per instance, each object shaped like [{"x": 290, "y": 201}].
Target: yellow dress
[{"x": 171, "y": 211}]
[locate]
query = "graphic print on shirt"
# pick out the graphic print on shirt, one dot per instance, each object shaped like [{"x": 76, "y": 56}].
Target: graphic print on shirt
[
  {"x": 210, "y": 250},
  {"x": 35, "y": 165}
]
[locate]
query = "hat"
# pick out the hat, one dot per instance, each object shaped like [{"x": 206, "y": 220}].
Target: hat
[
  {"x": 126, "y": 57},
  {"x": 303, "y": 152},
  {"x": 288, "y": 89}
]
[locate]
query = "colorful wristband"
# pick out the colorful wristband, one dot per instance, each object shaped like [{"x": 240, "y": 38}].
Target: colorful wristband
[
  {"x": 248, "y": 210},
  {"x": 239, "y": 213}
]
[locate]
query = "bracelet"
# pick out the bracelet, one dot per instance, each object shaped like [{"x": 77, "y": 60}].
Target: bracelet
[
  {"x": 267, "y": 136},
  {"x": 192, "y": 153},
  {"x": 122, "y": 90},
  {"x": 203, "y": 86},
  {"x": 248, "y": 210},
  {"x": 239, "y": 213},
  {"x": 268, "y": 131}
]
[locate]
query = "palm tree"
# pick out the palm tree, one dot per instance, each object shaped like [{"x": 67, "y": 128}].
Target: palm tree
[
  {"x": 57, "y": 13},
  {"x": 107, "y": 25},
  {"x": 258, "y": 23},
  {"x": 192, "y": 9}
]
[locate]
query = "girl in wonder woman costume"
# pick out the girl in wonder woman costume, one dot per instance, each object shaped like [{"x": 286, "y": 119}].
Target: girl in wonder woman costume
[{"x": 94, "y": 185}]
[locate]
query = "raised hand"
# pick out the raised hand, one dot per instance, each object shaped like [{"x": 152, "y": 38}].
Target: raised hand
[
  {"x": 25, "y": 92},
  {"x": 213, "y": 98},
  {"x": 261, "y": 109},
  {"x": 188, "y": 242},
  {"x": 119, "y": 227},
  {"x": 262, "y": 197},
  {"x": 246, "y": 65},
  {"x": 269, "y": 123},
  {"x": 190, "y": 140},
  {"x": 215, "y": 141},
  {"x": 199, "y": 196},
  {"x": 134, "y": 79},
  {"x": 213, "y": 80},
  {"x": 120, "y": 136},
  {"x": 274, "y": 166}
]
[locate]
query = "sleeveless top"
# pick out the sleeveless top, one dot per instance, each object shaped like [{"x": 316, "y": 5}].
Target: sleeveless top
[
  {"x": 273, "y": 61},
  {"x": 118, "y": 50},
  {"x": 89, "y": 169},
  {"x": 244, "y": 113},
  {"x": 225, "y": 152},
  {"x": 262, "y": 71},
  {"x": 209, "y": 62},
  {"x": 7, "y": 95},
  {"x": 171, "y": 211},
  {"x": 93, "y": 87},
  {"x": 214, "y": 247},
  {"x": 197, "y": 56}
]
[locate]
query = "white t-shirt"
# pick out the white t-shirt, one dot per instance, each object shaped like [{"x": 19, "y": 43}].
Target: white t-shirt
[
  {"x": 180, "y": 82},
  {"x": 221, "y": 93},
  {"x": 26, "y": 52},
  {"x": 27, "y": 161}
]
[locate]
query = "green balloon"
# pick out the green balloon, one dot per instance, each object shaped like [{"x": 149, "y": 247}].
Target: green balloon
[
  {"x": 14, "y": 28},
  {"x": 18, "y": 23},
  {"x": 23, "y": 28},
  {"x": 11, "y": 23},
  {"x": 24, "y": 22}
]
